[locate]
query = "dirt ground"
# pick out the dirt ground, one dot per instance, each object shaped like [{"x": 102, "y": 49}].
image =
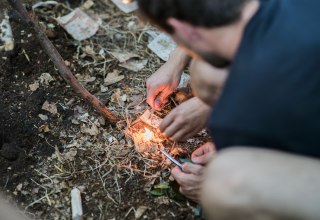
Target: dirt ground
[{"x": 45, "y": 154}]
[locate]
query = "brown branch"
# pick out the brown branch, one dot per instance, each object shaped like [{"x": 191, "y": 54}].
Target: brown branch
[{"x": 58, "y": 61}]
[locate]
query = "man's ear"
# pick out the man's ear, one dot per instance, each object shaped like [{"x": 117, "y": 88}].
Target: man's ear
[{"x": 184, "y": 29}]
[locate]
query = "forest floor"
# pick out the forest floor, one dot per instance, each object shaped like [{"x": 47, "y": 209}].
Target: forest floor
[{"x": 44, "y": 154}]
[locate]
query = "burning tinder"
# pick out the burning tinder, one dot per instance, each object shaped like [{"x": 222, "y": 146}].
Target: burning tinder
[{"x": 148, "y": 135}]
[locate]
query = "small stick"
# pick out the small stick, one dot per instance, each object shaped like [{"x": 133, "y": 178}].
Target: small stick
[{"x": 58, "y": 61}]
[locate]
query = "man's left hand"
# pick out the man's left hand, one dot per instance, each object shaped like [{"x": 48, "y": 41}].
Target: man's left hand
[
  {"x": 189, "y": 179},
  {"x": 191, "y": 176}
]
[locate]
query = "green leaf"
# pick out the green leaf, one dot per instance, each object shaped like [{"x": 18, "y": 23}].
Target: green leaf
[
  {"x": 157, "y": 192},
  {"x": 162, "y": 186}
]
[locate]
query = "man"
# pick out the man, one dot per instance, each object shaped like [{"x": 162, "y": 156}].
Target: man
[{"x": 270, "y": 101}]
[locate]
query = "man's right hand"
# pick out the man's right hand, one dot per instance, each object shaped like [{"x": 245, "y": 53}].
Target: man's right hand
[{"x": 164, "y": 82}]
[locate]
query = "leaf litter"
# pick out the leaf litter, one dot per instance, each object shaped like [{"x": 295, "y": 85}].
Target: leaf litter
[{"x": 88, "y": 152}]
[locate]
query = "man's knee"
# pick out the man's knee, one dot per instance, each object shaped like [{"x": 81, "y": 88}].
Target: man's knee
[{"x": 225, "y": 190}]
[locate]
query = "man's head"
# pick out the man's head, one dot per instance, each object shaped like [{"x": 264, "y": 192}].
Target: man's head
[{"x": 189, "y": 22}]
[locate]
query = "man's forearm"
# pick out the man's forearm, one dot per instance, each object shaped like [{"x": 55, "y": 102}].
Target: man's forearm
[
  {"x": 248, "y": 183},
  {"x": 179, "y": 59}
]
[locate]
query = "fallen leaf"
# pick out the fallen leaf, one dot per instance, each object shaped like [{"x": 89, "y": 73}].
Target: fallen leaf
[
  {"x": 19, "y": 187},
  {"x": 33, "y": 87},
  {"x": 103, "y": 88},
  {"x": 140, "y": 211},
  {"x": 44, "y": 128},
  {"x": 93, "y": 131},
  {"x": 126, "y": 6},
  {"x": 134, "y": 65},
  {"x": 116, "y": 97},
  {"x": 162, "y": 200},
  {"x": 43, "y": 117},
  {"x": 113, "y": 77},
  {"x": 45, "y": 78},
  {"x": 123, "y": 57},
  {"x": 88, "y": 50},
  {"x": 79, "y": 25},
  {"x": 52, "y": 108},
  {"x": 87, "y": 5},
  {"x": 70, "y": 154}
]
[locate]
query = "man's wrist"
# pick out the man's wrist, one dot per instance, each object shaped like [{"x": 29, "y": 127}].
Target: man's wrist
[{"x": 179, "y": 59}]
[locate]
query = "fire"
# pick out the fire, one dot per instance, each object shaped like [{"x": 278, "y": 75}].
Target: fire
[
  {"x": 126, "y": 2},
  {"x": 147, "y": 135}
]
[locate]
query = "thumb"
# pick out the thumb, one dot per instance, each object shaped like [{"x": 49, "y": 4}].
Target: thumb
[{"x": 203, "y": 159}]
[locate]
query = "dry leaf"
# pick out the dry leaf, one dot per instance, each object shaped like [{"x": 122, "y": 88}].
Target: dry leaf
[
  {"x": 123, "y": 57},
  {"x": 134, "y": 65},
  {"x": 113, "y": 77},
  {"x": 93, "y": 131},
  {"x": 45, "y": 78},
  {"x": 88, "y": 50},
  {"x": 44, "y": 128},
  {"x": 33, "y": 87},
  {"x": 87, "y": 5},
  {"x": 116, "y": 97},
  {"x": 140, "y": 211},
  {"x": 19, "y": 187},
  {"x": 79, "y": 25},
  {"x": 70, "y": 154},
  {"x": 162, "y": 45},
  {"x": 126, "y": 6},
  {"x": 52, "y": 108},
  {"x": 43, "y": 117},
  {"x": 135, "y": 100}
]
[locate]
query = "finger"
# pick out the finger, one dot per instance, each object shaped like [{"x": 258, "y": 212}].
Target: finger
[
  {"x": 177, "y": 174},
  {"x": 204, "y": 159},
  {"x": 179, "y": 135},
  {"x": 167, "y": 121},
  {"x": 198, "y": 152},
  {"x": 192, "y": 169},
  {"x": 157, "y": 103},
  {"x": 205, "y": 148},
  {"x": 150, "y": 98},
  {"x": 172, "y": 129}
]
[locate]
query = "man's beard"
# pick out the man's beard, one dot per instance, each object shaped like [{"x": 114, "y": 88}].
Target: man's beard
[{"x": 215, "y": 60}]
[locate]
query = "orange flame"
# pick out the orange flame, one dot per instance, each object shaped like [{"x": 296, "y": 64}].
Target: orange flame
[
  {"x": 148, "y": 135},
  {"x": 126, "y": 2}
]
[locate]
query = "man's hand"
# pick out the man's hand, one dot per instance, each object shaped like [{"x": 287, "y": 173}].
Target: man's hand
[
  {"x": 163, "y": 82},
  {"x": 190, "y": 178},
  {"x": 203, "y": 154},
  {"x": 186, "y": 120}
]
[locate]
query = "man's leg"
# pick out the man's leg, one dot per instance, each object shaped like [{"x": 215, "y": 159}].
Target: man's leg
[{"x": 251, "y": 183}]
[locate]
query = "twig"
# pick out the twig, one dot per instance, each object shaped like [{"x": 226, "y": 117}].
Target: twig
[{"x": 58, "y": 61}]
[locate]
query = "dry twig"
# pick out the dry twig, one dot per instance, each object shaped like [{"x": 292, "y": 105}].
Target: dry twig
[{"x": 58, "y": 61}]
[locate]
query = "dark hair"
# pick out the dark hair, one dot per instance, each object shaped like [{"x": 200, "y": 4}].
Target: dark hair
[{"x": 205, "y": 13}]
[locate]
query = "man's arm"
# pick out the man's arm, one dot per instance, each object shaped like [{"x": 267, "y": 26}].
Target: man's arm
[{"x": 252, "y": 183}]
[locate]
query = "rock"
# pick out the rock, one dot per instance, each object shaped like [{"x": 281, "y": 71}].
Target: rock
[{"x": 10, "y": 151}]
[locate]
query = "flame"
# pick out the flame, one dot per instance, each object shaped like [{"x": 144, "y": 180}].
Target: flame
[
  {"x": 126, "y": 2},
  {"x": 147, "y": 135}
]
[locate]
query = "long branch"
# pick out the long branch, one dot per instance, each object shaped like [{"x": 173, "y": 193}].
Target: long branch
[{"x": 58, "y": 61}]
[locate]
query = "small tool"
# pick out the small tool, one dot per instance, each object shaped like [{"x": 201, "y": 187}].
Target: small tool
[{"x": 172, "y": 159}]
